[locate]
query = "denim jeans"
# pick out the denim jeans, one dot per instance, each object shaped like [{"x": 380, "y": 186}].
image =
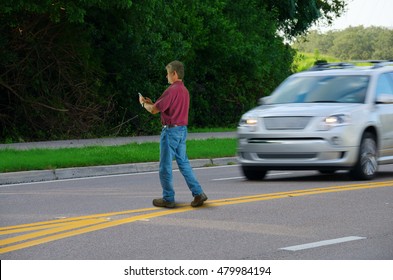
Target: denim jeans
[{"x": 173, "y": 145}]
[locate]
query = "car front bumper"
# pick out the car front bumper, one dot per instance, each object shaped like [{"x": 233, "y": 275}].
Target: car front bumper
[{"x": 295, "y": 153}]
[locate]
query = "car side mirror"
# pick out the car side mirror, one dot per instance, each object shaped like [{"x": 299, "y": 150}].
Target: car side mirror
[
  {"x": 263, "y": 100},
  {"x": 384, "y": 98}
]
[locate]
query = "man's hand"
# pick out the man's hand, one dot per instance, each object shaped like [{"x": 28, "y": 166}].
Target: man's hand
[
  {"x": 148, "y": 104},
  {"x": 148, "y": 100},
  {"x": 143, "y": 100}
]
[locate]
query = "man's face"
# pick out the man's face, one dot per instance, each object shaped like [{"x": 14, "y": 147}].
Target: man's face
[{"x": 170, "y": 76}]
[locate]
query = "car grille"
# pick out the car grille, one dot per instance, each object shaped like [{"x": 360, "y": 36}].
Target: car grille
[
  {"x": 287, "y": 156},
  {"x": 286, "y": 123},
  {"x": 282, "y": 140}
]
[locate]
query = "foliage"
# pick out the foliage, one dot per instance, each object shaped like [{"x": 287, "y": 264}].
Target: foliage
[
  {"x": 50, "y": 71},
  {"x": 73, "y": 68},
  {"x": 352, "y": 43},
  {"x": 304, "y": 61},
  {"x": 296, "y": 16}
]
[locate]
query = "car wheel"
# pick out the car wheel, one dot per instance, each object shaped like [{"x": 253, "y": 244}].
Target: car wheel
[
  {"x": 254, "y": 173},
  {"x": 367, "y": 164}
]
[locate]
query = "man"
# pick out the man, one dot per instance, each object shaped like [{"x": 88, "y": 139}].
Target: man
[{"x": 173, "y": 105}]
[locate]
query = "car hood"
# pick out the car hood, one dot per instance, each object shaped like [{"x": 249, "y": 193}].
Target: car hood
[{"x": 303, "y": 109}]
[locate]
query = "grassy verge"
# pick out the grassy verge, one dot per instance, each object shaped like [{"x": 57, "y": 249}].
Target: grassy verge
[
  {"x": 212, "y": 129},
  {"x": 304, "y": 61},
  {"x": 41, "y": 159}
]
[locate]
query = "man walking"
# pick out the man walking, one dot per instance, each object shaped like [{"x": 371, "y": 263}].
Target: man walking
[{"x": 173, "y": 105}]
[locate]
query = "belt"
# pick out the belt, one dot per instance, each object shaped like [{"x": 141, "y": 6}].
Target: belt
[{"x": 169, "y": 125}]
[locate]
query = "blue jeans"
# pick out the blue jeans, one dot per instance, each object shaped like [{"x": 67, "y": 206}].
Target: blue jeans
[{"x": 173, "y": 145}]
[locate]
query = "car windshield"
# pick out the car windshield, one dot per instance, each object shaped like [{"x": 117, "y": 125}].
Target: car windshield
[{"x": 320, "y": 89}]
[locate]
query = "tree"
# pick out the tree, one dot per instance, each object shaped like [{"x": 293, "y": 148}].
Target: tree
[
  {"x": 352, "y": 43},
  {"x": 355, "y": 43},
  {"x": 243, "y": 61},
  {"x": 295, "y": 17},
  {"x": 383, "y": 42},
  {"x": 50, "y": 73},
  {"x": 73, "y": 68}
]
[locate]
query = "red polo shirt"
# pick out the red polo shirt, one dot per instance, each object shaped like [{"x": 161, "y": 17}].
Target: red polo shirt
[{"x": 174, "y": 104}]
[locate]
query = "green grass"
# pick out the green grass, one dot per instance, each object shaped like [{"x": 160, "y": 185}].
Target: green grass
[
  {"x": 304, "y": 61},
  {"x": 40, "y": 159},
  {"x": 215, "y": 129}
]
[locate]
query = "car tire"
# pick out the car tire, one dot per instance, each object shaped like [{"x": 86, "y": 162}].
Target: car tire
[
  {"x": 367, "y": 164},
  {"x": 254, "y": 173}
]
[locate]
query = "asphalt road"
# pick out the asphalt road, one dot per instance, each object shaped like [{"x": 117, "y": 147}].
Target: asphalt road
[{"x": 289, "y": 216}]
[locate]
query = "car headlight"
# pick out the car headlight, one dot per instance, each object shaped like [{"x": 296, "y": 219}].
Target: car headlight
[
  {"x": 334, "y": 121},
  {"x": 248, "y": 122}
]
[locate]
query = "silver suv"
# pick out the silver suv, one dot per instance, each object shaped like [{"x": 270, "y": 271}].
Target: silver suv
[{"x": 333, "y": 117}]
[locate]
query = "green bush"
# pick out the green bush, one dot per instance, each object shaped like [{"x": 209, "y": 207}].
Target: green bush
[{"x": 72, "y": 69}]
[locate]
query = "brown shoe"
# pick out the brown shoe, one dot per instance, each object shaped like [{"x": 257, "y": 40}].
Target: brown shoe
[
  {"x": 198, "y": 200},
  {"x": 160, "y": 202}
]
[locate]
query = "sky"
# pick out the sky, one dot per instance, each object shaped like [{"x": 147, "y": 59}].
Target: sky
[{"x": 364, "y": 12}]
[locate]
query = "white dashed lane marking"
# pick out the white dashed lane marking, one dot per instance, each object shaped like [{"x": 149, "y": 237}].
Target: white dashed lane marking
[{"x": 322, "y": 243}]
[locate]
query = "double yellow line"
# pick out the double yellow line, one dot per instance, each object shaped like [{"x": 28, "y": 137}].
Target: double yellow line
[{"x": 28, "y": 235}]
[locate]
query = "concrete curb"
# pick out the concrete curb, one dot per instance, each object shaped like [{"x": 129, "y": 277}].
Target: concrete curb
[{"x": 104, "y": 170}]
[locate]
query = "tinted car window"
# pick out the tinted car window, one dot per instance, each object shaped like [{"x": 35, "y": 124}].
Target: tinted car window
[{"x": 341, "y": 89}]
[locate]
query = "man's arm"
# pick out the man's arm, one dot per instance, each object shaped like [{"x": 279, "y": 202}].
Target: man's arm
[{"x": 148, "y": 105}]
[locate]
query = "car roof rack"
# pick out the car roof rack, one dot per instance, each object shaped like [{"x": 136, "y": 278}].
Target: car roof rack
[
  {"x": 321, "y": 65},
  {"x": 381, "y": 63}
]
